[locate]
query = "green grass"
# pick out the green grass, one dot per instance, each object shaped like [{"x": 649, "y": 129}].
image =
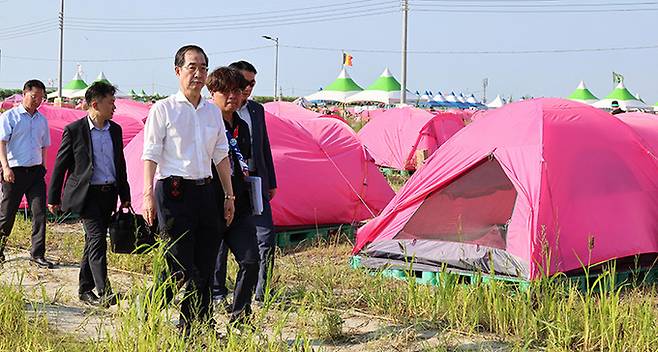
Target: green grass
[{"x": 313, "y": 290}]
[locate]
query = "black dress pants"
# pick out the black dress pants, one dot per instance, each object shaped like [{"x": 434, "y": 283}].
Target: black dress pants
[
  {"x": 29, "y": 181},
  {"x": 190, "y": 218},
  {"x": 266, "y": 247},
  {"x": 240, "y": 238},
  {"x": 96, "y": 213}
]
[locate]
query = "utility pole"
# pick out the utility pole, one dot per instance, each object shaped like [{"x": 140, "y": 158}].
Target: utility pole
[
  {"x": 403, "y": 88},
  {"x": 485, "y": 84},
  {"x": 61, "y": 50},
  {"x": 276, "y": 62}
]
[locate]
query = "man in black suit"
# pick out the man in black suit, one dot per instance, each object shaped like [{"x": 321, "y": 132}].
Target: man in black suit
[
  {"x": 260, "y": 164},
  {"x": 91, "y": 157}
]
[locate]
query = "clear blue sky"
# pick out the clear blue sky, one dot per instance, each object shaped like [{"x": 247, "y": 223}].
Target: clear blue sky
[{"x": 371, "y": 26}]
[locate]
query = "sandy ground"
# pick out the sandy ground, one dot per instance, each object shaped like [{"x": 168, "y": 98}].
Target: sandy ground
[{"x": 54, "y": 293}]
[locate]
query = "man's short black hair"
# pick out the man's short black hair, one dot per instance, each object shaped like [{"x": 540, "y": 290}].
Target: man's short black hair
[
  {"x": 179, "y": 59},
  {"x": 99, "y": 90},
  {"x": 34, "y": 83},
  {"x": 243, "y": 66}
]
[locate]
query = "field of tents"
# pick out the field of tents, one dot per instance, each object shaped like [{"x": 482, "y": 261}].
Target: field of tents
[{"x": 524, "y": 193}]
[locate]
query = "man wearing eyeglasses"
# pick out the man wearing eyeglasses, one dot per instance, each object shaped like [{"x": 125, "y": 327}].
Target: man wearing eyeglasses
[
  {"x": 24, "y": 138},
  {"x": 182, "y": 135},
  {"x": 261, "y": 165}
]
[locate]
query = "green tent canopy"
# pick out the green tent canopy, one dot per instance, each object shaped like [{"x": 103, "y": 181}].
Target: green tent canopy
[
  {"x": 624, "y": 97},
  {"x": 70, "y": 89},
  {"x": 385, "y": 89},
  {"x": 582, "y": 94},
  {"x": 341, "y": 88}
]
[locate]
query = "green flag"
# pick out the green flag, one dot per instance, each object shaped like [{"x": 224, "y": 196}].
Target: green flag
[{"x": 617, "y": 78}]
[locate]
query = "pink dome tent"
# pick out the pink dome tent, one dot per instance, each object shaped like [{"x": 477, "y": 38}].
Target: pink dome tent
[
  {"x": 324, "y": 175},
  {"x": 543, "y": 175},
  {"x": 394, "y": 136}
]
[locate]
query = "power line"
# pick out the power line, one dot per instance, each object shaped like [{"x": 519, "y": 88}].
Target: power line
[
  {"x": 477, "y": 52},
  {"x": 417, "y": 9},
  {"x": 27, "y": 58},
  {"x": 323, "y": 9},
  {"x": 255, "y": 24}
]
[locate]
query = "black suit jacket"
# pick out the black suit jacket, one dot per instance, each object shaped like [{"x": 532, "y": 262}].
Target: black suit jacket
[
  {"x": 75, "y": 161},
  {"x": 261, "y": 151}
]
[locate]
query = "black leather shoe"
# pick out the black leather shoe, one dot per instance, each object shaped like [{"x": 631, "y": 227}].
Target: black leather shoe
[
  {"x": 90, "y": 298},
  {"x": 108, "y": 300},
  {"x": 42, "y": 262}
]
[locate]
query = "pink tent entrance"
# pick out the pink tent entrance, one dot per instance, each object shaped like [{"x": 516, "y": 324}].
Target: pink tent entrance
[
  {"x": 324, "y": 175},
  {"x": 531, "y": 178},
  {"x": 393, "y": 137},
  {"x": 58, "y": 118}
]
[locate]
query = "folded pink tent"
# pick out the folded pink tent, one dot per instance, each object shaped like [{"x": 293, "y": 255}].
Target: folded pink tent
[
  {"x": 58, "y": 118},
  {"x": 538, "y": 179},
  {"x": 394, "y": 136},
  {"x": 132, "y": 108},
  {"x": 324, "y": 175}
]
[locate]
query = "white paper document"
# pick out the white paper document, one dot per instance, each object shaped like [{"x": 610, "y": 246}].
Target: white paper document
[{"x": 255, "y": 190}]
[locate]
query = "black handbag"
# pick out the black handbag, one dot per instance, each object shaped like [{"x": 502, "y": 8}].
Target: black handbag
[{"x": 129, "y": 233}]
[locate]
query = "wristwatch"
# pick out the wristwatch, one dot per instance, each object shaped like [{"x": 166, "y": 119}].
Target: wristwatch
[{"x": 231, "y": 197}]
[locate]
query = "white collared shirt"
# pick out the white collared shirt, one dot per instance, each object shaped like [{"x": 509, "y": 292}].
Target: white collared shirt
[
  {"x": 182, "y": 139},
  {"x": 244, "y": 114}
]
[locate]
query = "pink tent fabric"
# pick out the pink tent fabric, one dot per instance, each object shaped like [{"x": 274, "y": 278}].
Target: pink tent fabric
[
  {"x": 294, "y": 111},
  {"x": 322, "y": 158},
  {"x": 646, "y": 125},
  {"x": 132, "y": 108},
  {"x": 318, "y": 157},
  {"x": 583, "y": 181},
  {"x": 290, "y": 110},
  {"x": 393, "y": 137},
  {"x": 58, "y": 118},
  {"x": 11, "y": 101}
]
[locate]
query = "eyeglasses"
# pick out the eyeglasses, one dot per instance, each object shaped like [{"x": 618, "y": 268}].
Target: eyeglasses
[
  {"x": 35, "y": 96},
  {"x": 193, "y": 68},
  {"x": 252, "y": 83}
]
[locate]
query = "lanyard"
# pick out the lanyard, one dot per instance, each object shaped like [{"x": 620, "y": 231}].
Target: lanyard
[{"x": 233, "y": 145}]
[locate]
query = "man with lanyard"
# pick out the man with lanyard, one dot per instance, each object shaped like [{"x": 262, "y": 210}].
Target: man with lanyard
[
  {"x": 183, "y": 133},
  {"x": 260, "y": 164},
  {"x": 24, "y": 138},
  {"x": 91, "y": 157}
]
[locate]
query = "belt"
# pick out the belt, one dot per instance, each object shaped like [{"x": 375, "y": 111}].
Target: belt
[
  {"x": 104, "y": 188},
  {"x": 193, "y": 182},
  {"x": 199, "y": 181},
  {"x": 26, "y": 168}
]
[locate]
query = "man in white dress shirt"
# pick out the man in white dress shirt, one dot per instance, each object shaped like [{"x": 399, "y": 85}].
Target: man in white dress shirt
[{"x": 183, "y": 135}]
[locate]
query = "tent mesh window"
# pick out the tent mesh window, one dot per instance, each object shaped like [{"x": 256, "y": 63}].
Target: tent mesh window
[{"x": 474, "y": 208}]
